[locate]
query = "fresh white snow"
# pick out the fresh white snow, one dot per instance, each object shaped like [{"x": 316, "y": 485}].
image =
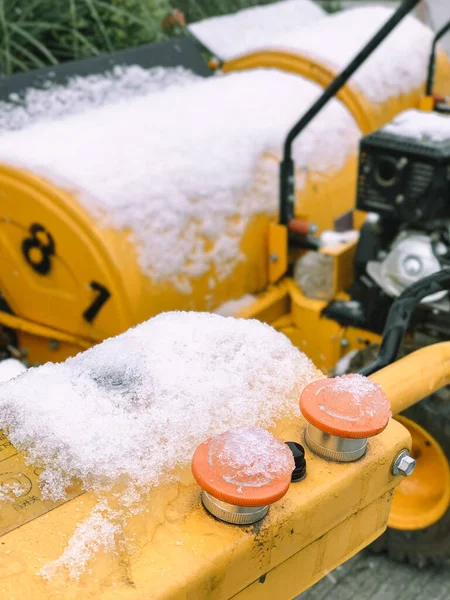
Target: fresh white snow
[
  {"x": 10, "y": 368},
  {"x": 82, "y": 93},
  {"x": 232, "y": 308},
  {"x": 420, "y": 125},
  {"x": 123, "y": 416},
  {"x": 253, "y": 455},
  {"x": 397, "y": 67},
  {"x": 227, "y": 36},
  {"x": 184, "y": 169}
]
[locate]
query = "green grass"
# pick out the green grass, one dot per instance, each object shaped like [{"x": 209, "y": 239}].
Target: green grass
[{"x": 38, "y": 33}]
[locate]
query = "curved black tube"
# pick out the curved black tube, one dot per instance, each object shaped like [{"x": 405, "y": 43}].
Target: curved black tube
[{"x": 400, "y": 315}]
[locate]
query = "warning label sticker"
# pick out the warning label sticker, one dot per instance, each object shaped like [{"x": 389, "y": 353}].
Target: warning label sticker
[{"x": 20, "y": 494}]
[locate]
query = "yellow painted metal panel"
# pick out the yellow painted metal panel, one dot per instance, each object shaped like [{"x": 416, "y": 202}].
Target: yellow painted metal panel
[
  {"x": 87, "y": 255},
  {"x": 277, "y": 251},
  {"x": 29, "y": 504},
  {"x": 180, "y": 552},
  {"x": 309, "y": 565},
  {"x": 415, "y": 376}
]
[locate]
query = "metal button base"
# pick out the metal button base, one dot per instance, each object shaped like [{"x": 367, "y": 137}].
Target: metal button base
[
  {"x": 231, "y": 513},
  {"x": 333, "y": 447}
]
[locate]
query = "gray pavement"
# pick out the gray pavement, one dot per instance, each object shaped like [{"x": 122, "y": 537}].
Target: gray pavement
[{"x": 374, "y": 577}]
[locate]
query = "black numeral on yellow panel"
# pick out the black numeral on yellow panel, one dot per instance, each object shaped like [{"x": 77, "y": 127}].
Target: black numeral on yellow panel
[
  {"x": 38, "y": 249},
  {"x": 93, "y": 309}
]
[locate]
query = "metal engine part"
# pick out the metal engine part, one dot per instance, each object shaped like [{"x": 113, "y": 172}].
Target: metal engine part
[{"x": 410, "y": 258}]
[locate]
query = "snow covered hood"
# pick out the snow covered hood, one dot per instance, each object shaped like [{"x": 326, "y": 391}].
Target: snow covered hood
[{"x": 227, "y": 36}]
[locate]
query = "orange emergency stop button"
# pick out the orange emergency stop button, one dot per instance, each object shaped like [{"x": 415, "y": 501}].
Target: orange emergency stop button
[
  {"x": 351, "y": 406},
  {"x": 242, "y": 468},
  {"x": 342, "y": 413}
]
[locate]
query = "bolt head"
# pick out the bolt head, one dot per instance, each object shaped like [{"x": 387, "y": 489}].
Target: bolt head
[
  {"x": 273, "y": 258},
  {"x": 404, "y": 464}
]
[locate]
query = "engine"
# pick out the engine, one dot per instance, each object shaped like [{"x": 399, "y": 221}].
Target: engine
[
  {"x": 404, "y": 185},
  {"x": 404, "y": 169}
]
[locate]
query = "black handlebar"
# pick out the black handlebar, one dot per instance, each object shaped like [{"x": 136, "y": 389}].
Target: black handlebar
[
  {"x": 432, "y": 60},
  {"x": 287, "y": 183}
]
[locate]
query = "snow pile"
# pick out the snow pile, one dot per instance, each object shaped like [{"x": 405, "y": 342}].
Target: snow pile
[
  {"x": 186, "y": 168},
  {"x": 357, "y": 385},
  {"x": 82, "y": 93},
  {"x": 420, "y": 125},
  {"x": 253, "y": 455},
  {"x": 228, "y": 36},
  {"x": 233, "y": 307},
  {"x": 122, "y": 416},
  {"x": 10, "y": 368},
  {"x": 398, "y": 65}
]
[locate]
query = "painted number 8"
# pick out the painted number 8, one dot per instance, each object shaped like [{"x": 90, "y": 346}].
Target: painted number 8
[{"x": 38, "y": 249}]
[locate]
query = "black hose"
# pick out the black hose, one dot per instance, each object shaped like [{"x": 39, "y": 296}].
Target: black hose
[{"x": 400, "y": 314}]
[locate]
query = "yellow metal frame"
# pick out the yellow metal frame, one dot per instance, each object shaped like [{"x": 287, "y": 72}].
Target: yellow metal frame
[
  {"x": 287, "y": 309},
  {"x": 180, "y": 552},
  {"x": 322, "y": 522},
  {"x": 416, "y": 376},
  {"x": 277, "y": 251}
]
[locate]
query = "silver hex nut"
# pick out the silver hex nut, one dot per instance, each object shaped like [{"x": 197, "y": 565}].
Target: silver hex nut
[{"x": 404, "y": 464}]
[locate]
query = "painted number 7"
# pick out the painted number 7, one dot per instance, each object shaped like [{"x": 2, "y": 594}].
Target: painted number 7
[{"x": 102, "y": 296}]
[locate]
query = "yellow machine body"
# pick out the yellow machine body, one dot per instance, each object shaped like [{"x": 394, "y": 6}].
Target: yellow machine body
[
  {"x": 423, "y": 498},
  {"x": 96, "y": 271},
  {"x": 287, "y": 309},
  {"x": 368, "y": 115},
  {"x": 95, "y": 289},
  {"x": 97, "y": 268},
  {"x": 180, "y": 552}
]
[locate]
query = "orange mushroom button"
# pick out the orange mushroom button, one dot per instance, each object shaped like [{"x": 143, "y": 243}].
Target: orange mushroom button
[
  {"x": 342, "y": 413},
  {"x": 245, "y": 467},
  {"x": 350, "y": 406}
]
